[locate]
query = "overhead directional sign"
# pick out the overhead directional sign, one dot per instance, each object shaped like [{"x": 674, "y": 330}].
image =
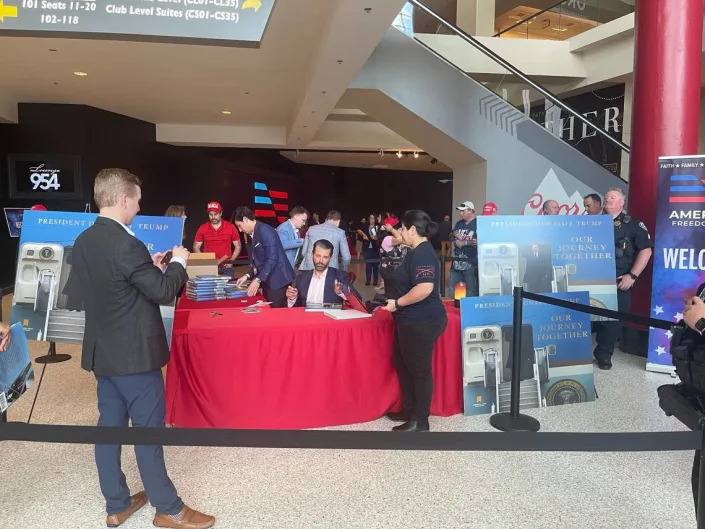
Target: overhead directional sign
[{"x": 217, "y": 22}]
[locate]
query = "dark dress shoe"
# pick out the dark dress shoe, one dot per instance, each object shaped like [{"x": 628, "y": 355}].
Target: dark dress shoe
[
  {"x": 136, "y": 503},
  {"x": 606, "y": 366},
  {"x": 367, "y": 283},
  {"x": 414, "y": 425},
  {"x": 397, "y": 416}
]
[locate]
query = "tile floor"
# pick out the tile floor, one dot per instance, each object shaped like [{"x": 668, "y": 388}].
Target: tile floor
[{"x": 56, "y": 486}]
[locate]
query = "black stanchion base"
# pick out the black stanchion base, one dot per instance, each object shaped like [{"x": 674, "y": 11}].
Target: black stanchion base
[
  {"x": 52, "y": 358},
  {"x": 521, "y": 423}
]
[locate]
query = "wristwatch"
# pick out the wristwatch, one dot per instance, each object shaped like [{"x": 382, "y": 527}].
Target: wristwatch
[
  {"x": 700, "y": 325},
  {"x": 633, "y": 276},
  {"x": 397, "y": 306}
]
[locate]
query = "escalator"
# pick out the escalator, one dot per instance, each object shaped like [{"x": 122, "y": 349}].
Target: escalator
[{"x": 481, "y": 123}]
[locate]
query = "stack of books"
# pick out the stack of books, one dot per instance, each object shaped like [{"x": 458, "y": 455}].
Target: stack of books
[
  {"x": 207, "y": 288},
  {"x": 232, "y": 292}
]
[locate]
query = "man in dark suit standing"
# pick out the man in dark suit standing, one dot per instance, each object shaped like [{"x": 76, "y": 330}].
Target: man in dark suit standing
[
  {"x": 539, "y": 270},
  {"x": 270, "y": 266},
  {"x": 121, "y": 286},
  {"x": 320, "y": 285}
]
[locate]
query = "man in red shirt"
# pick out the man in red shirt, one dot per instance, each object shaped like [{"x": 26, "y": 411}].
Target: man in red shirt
[{"x": 218, "y": 236}]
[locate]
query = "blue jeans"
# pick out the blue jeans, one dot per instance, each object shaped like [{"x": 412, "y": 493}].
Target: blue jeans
[
  {"x": 138, "y": 397},
  {"x": 468, "y": 277}
]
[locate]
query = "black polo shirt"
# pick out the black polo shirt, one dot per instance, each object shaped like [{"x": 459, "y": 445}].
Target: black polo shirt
[{"x": 419, "y": 266}]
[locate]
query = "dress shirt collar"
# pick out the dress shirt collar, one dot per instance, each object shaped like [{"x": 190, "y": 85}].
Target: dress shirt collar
[{"x": 128, "y": 230}]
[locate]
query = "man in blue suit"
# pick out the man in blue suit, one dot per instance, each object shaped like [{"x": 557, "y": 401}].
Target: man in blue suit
[
  {"x": 289, "y": 233},
  {"x": 320, "y": 285},
  {"x": 270, "y": 267}
]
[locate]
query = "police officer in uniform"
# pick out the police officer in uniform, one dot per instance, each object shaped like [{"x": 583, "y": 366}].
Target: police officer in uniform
[{"x": 632, "y": 253}]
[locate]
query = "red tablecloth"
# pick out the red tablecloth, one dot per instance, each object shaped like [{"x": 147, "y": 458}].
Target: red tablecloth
[
  {"x": 288, "y": 369},
  {"x": 188, "y": 304}
]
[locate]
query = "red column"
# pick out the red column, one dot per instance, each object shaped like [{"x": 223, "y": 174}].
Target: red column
[{"x": 666, "y": 104}]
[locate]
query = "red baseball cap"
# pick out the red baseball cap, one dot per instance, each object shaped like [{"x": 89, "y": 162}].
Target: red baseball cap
[
  {"x": 214, "y": 206},
  {"x": 38, "y": 207},
  {"x": 489, "y": 209},
  {"x": 391, "y": 221}
]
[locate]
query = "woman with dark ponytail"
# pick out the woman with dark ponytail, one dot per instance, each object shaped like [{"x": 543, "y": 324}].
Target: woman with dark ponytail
[{"x": 414, "y": 300}]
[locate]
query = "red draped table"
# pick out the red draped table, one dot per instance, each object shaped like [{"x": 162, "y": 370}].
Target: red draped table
[{"x": 290, "y": 369}]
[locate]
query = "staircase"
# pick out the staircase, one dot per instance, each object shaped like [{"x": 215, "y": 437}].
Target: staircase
[
  {"x": 412, "y": 90},
  {"x": 66, "y": 326},
  {"x": 528, "y": 395}
]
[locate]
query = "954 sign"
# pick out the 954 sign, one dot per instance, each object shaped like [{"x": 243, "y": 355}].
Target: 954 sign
[
  {"x": 49, "y": 175},
  {"x": 44, "y": 179}
]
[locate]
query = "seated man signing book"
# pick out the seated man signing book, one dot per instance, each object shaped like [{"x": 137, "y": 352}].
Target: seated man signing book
[{"x": 320, "y": 285}]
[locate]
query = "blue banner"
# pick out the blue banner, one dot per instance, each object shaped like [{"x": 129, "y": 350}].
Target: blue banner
[
  {"x": 679, "y": 248},
  {"x": 13, "y": 216},
  {"x": 548, "y": 254},
  {"x": 556, "y": 356},
  {"x": 44, "y": 266}
]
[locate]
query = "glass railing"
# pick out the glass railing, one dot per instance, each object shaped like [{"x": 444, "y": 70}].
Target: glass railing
[
  {"x": 591, "y": 122},
  {"x": 557, "y": 20}
]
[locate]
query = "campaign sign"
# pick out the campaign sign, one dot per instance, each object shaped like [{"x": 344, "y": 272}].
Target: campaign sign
[
  {"x": 548, "y": 254},
  {"x": 556, "y": 356},
  {"x": 679, "y": 248},
  {"x": 13, "y": 216},
  {"x": 44, "y": 265}
]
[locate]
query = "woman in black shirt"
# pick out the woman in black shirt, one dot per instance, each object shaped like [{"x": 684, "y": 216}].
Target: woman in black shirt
[{"x": 420, "y": 318}]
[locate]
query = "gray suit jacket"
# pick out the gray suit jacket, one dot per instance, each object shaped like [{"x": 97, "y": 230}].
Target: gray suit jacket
[{"x": 335, "y": 236}]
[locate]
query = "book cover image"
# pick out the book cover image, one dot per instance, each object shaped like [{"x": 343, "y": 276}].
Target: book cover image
[
  {"x": 556, "y": 355},
  {"x": 44, "y": 265}
]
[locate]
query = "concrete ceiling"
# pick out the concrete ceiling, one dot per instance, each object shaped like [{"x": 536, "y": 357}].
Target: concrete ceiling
[
  {"x": 173, "y": 83},
  {"x": 368, "y": 160},
  {"x": 279, "y": 95}
]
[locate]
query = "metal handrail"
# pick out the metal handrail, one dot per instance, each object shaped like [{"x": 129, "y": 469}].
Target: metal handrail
[
  {"x": 524, "y": 21},
  {"x": 499, "y": 60}
]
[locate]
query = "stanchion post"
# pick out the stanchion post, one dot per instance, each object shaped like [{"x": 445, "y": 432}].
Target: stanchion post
[
  {"x": 517, "y": 324},
  {"x": 700, "y": 514},
  {"x": 51, "y": 357},
  {"x": 515, "y": 421}
]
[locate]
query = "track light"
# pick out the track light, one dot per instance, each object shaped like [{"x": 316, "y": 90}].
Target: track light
[
  {"x": 400, "y": 154},
  {"x": 416, "y": 154},
  {"x": 434, "y": 161},
  {"x": 381, "y": 153}
]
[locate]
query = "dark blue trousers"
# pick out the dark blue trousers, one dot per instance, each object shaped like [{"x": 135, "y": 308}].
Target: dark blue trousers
[{"x": 140, "y": 398}]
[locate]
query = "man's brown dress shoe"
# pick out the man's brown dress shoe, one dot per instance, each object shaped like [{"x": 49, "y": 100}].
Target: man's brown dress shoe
[
  {"x": 188, "y": 518},
  {"x": 138, "y": 501}
]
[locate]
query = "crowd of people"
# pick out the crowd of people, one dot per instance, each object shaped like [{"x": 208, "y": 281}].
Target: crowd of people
[{"x": 120, "y": 286}]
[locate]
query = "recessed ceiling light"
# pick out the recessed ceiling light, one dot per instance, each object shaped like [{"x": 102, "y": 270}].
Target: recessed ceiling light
[
  {"x": 52, "y": 49},
  {"x": 80, "y": 74},
  {"x": 340, "y": 61},
  {"x": 226, "y": 112},
  {"x": 324, "y": 92}
]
